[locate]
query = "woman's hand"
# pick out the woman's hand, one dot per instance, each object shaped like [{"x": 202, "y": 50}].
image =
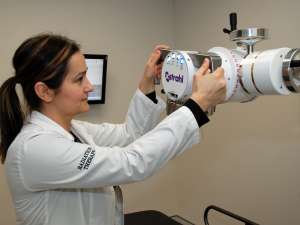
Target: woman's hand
[
  {"x": 152, "y": 70},
  {"x": 209, "y": 89}
]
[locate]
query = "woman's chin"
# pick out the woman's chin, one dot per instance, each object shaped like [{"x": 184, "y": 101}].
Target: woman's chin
[{"x": 85, "y": 107}]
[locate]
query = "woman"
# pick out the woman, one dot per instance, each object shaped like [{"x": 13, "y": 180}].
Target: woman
[{"x": 61, "y": 171}]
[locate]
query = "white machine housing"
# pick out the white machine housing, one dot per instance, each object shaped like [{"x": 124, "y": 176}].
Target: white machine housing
[
  {"x": 177, "y": 75},
  {"x": 247, "y": 76}
]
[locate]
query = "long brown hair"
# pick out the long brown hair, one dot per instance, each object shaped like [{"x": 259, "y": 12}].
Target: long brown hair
[{"x": 43, "y": 57}]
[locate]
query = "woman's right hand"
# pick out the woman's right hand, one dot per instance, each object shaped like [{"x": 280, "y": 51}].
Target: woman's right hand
[{"x": 209, "y": 89}]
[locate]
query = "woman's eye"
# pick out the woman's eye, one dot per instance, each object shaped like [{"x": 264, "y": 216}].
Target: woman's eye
[{"x": 79, "y": 79}]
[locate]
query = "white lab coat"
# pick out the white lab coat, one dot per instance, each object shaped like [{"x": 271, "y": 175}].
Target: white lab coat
[{"x": 56, "y": 181}]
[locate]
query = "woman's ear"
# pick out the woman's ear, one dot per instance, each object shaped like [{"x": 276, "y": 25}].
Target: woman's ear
[{"x": 44, "y": 92}]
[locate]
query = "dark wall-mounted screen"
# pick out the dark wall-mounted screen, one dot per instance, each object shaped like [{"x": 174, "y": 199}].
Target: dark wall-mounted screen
[{"x": 96, "y": 73}]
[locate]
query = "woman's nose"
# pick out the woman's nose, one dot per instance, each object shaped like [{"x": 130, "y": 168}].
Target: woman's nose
[{"x": 89, "y": 86}]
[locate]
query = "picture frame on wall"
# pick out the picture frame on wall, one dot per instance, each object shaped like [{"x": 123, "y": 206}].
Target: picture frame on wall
[{"x": 96, "y": 73}]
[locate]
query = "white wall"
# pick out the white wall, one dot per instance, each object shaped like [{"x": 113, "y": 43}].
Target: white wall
[{"x": 249, "y": 159}]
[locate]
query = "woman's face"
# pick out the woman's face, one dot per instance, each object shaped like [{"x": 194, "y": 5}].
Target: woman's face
[{"x": 72, "y": 97}]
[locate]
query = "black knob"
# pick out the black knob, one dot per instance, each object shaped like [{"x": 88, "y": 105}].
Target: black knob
[
  {"x": 233, "y": 21},
  {"x": 226, "y": 31}
]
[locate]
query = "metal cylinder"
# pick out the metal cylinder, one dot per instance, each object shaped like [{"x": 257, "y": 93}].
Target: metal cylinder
[{"x": 291, "y": 70}]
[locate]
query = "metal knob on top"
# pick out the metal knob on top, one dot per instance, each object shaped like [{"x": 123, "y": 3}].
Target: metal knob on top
[{"x": 248, "y": 37}]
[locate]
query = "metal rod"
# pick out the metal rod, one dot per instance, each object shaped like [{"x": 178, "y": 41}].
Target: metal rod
[
  {"x": 230, "y": 214},
  {"x": 250, "y": 49}
]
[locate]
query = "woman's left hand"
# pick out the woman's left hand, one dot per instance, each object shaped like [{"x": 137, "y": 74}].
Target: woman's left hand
[{"x": 152, "y": 70}]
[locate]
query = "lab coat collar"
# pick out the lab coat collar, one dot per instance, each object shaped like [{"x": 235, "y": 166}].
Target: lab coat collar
[
  {"x": 78, "y": 130},
  {"x": 48, "y": 124}
]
